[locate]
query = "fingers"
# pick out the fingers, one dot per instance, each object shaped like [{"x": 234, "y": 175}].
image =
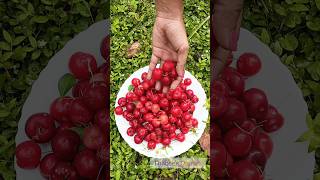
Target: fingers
[
  {"x": 152, "y": 66},
  {"x": 158, "y": 83},
  {"x": 182, "y": 58}
]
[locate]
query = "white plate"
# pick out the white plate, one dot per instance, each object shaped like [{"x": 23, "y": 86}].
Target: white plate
[
  {"x": 45, "y": 88},
  {"x": 289, "y": 159},
  {"x": 177, "y": 148}
]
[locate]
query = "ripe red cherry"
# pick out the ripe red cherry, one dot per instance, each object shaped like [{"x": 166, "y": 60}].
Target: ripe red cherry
[
  {"x": 176, "y": 111},
  {"x": 87, "y": 164},
  {"x": 187, "y": 81},
  {"x": 157, "y": 74},
  {"x": 155, "y": 108},
  {"x": 62, "y": 170},
  {"x": 256, "y": 103},
  {"x": 220, "y": 87},
  {"x": 130, "y": 131},
  {"x": 93, "y": 137},
  {"x": 194, "y": 122},
  {"x": 234, "y": 80},
  {"x": 258, "y": 158},
  {"x": 220, "y": 104},
  {"x": 130, "y": 107},
  {"x": 144, "y": 76},
  {"x": 103, "y": 153},
  {"x": 80, "y": 87},
  {"x": 101, "y": 119},
  {"x": 172, "y": 119},
  {"x": 135, "y": 82},
  {"x": 122, "y": 101},
  {"x": 184, "y": 130},
  {"x": 181, "y": 137},
  {"x": 244, "y": 170},
  {"x": 65, "y": 125},
  {"x": 95, "y": 97},
  {"x": 249, "y": 126},
  {"x": 248, "y": 64},
  {"x": 152, "y": 144},
  {"x": 118, "y": 110},
  {"x": 190, "y": 93},
  {"x": 164, "y": 119},
  {"x": 185, "y": 106},
  {"x": 142, "y": 132},
  {"x": 137, "y": 139},
  {"x": 148, "y": 105},
  {"x": 79, "y": 113},
  {"x": 105, "y": 47},
  {"x": 174, "y": 73},
  {"x": 65, "y": 144},
  {"x": 164, "y": 102},
  {"x": 40, "y": 127},
  {"x": 263, "y": 142},
  {"x": 155, "y": 98},
  {"x": 168, "y": 66},
  {"x": 138, "y": 91},
  {"x": 166, "y": 80},
  {"x": 195, "y": 99},
  {"x": 273, "y": 120},
  {"x": 82, "y": 65},
  {"x": 219, "y": 156},
  {"x": 151, "y": 83},
  {"x": 59, "y": 109},
  {"x": 176, "y": 94},
  {"x": 236, "y": 113},
  {"x": 237, "y": 142},
  {"x": 145, "y": 85},
  {"x": 28, "y": 155},
  {"x": 166, "y": 141},
  {"x": 47, "y": 164}
]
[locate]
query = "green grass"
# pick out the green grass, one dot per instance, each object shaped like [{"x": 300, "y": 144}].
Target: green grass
[{"x": 133, "y": 21}]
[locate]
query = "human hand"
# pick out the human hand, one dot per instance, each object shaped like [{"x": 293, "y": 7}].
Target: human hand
[
  {"x": 225, "y": 24},
  {"x": 169, "y": 41}
]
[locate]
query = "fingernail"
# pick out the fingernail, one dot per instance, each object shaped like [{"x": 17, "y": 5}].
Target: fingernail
[{"x": 234, "y": 40}]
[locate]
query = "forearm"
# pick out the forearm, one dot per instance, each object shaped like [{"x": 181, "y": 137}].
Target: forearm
[{"x": 170, "y": 9}]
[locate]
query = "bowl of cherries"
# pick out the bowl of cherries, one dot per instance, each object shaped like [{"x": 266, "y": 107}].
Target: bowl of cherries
[{"x": 157, "y": 124}]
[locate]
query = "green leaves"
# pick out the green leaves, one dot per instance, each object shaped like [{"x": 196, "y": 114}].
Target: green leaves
[
  {"x": 65, "y": 83},
  {"x": 6, "y": 36},
  {"x": 313, "y": 134},
  {"x": 40, "y": 19},
  {"x": 314, "y": 24},
  {"x": 289, "y": 42}
]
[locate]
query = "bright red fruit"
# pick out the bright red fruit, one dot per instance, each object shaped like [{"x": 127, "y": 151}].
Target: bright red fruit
[
  {"x": 59, "y": 109},
  {"x": 118, "y": 110},
  {"x": 152, "y": 145},
  {"x": 87, "y": 164},
  {"x": 82, "y": 65},
  {"x": 234, "y": 80},
  {"x": 63, "y": 170},
  {"x": 157, "y": 74},
  {"x": 273, "y": 120},
  {"x": 248, "y": 64},
  {"x": 65, "y": 144},
  {"x": 80, "y": 87},
  {"x": 263, "y": 142},
  {"x": 256, "y": 103},
  {"x": 105, "y": 48},
  {"x": 237, "y": 142},
  {"x": 236, "y": 113},
  {"x": 47, "y": 164},
  {"x": 93, "y": 137},
  {"x": 28, "y": 155},
  {"x": 79, "y": 113},
  {"x": 40, "y": 127},
  {"x": 95, "y": 97},
  {"x": 244, "y": 170},
  {"x": 187, "y": 81},
  {"x": 168, "y": 66}
]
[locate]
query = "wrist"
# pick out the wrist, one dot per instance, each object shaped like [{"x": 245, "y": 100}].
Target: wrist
[{"x": 170, "y": 9}]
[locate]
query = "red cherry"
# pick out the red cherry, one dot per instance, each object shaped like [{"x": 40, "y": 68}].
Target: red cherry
[
  {"x": 248, "y": 64},
  {"x": 152, "y": 144},
  {"x": 79, "y": 113},
  {"x": 93, "y": 137},
  {"x": 138, "y": 139},
  {"x": 65, "y": 144},
  {"x": 62, "y": 170},
  {"x": 28, "y": 155},
  {"x": 82, "y": 65},
  {"x": 135, "y": 82},
  {"x": 40, "y": 127},
  {"x": 166, "y": 142},
  {"x": 168, "y": 66},
  {"x": 118, "y": 110},
  {"x": 187, "y": 81},
  {"x": 157, "y": 74},
  {"x": 181, "y": 137},
  {"x": 87, "y": 164},
  {"x": 47, "y": 164},
  {"x": 59, "y": 109},
  {"x": 237, "y": 142},
  {"x": 144, "y": 76}
]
